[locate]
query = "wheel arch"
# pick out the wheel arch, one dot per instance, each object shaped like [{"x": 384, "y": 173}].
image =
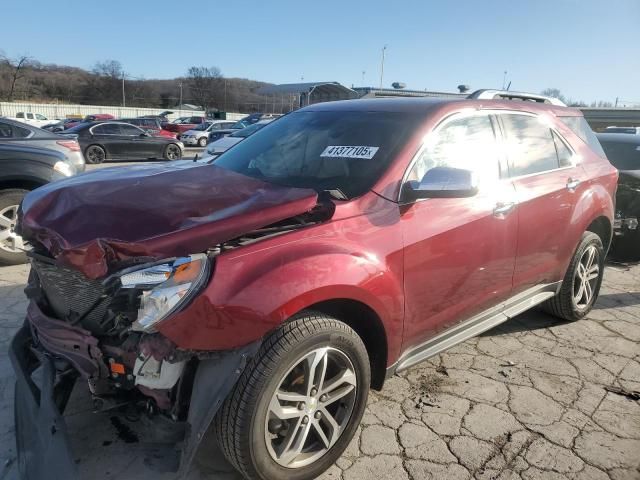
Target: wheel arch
[
  {"x": 369, "y": 327},
  {"x": 602, "y": 227}
]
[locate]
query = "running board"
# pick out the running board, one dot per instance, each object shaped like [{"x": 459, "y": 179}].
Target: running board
[{"x": 475, "y": 326}]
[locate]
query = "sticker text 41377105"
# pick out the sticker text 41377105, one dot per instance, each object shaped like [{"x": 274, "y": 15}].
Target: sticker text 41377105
[{"x": 349, "y": 151}]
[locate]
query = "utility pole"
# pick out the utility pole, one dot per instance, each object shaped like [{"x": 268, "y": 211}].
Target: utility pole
[
  {"x": 180, "y": 104},
  {"x": 616, "y": 105},
  {"x": 504, "y": 79},
  {"x": 382, "y": 66},
  {"x": 363, "y": 72},
  {"x": 124, "y": 102}
]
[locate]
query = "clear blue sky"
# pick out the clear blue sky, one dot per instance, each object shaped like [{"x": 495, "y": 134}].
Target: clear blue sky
[{"x": 588, "y": 49}]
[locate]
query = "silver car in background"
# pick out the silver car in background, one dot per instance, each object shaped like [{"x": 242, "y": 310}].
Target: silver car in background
[
  {"x": 199, "y": 136},
  {"x": 18, "y": 133},
  {"x": 223, "y": 144}
]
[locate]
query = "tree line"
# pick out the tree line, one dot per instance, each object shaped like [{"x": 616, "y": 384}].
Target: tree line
[{"x": 26, "y": 79}]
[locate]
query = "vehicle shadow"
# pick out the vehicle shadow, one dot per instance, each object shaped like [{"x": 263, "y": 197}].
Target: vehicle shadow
[{"x": 535, "y": 319}]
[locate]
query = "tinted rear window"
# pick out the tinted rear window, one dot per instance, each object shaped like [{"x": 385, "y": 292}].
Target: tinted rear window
[
  {"x": 581, "y": 128},
  {"x": 623, "y": 155}
]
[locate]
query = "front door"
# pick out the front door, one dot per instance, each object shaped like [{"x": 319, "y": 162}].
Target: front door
[
  {"x": 547, "y": 184},
  {"x": 459, "y": 252}
]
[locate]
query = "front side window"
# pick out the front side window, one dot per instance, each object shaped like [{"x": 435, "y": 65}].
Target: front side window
[
  {"x": 40, "y": 117},
  {"x": 529, "y": 145},
  {"x": 323, "y": 150},
  {"x": 130, "y": 130},
  {"x": 466, "y": 143}
]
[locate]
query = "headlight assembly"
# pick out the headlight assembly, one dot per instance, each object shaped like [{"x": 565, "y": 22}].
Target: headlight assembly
[{"x": 166, "y": 287}]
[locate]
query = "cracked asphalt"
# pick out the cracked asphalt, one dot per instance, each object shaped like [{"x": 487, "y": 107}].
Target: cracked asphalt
[{"x": 527, "y": 400}]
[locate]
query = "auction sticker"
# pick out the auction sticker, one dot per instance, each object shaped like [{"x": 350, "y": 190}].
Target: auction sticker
[{"x": 349, "y": 151}]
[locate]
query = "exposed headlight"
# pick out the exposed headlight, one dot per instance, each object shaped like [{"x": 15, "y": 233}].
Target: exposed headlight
[
  {"x": 64, "y": 168},
  {"x": 166, "y": 288}
]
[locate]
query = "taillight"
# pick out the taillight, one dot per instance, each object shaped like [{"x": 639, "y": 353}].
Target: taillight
[{"x": 70, "y": 144}]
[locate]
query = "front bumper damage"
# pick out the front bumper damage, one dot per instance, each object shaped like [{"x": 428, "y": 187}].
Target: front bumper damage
[{"x": 44, "y": 381}]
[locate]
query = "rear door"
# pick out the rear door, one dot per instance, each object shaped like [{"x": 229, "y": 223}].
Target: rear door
[
  {"x": 459, "y": 252},
  {"x": 547, "y": 182},
  {"x": 109, "y": 136}
]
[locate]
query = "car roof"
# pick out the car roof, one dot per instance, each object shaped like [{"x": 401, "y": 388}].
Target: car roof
[
  {"x": 619, "y": 138},
  {"x": 426, "y": 104}
]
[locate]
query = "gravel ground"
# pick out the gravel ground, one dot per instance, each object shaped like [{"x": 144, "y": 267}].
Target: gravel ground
[{"x": 526, "y": 400}]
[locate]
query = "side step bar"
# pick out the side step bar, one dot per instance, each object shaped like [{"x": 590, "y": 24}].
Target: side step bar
[{"x": 474, "y": 326}]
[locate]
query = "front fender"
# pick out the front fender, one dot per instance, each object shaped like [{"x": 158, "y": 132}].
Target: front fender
[{"x": 251, "y": 295}]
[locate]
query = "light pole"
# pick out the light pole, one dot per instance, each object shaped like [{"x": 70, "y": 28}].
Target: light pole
[
  {"x": 180, "y": 103},
  {"x": 124, "y": 102},
  {"x": 504, "y": 79},
  {"x": 382, "y": 66}
]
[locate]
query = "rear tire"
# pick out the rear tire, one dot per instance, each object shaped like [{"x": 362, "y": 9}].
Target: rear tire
[
  {"x": 9, "y": 253},
  {"x": 581, "y": 284},
  {"x": 282, "y": 399},
  {"x": 172, "y": 152},
  {"x": 95, "y": 154}
]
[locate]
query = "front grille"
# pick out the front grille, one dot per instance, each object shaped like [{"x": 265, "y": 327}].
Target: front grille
[{"x": 74, "y": 297}]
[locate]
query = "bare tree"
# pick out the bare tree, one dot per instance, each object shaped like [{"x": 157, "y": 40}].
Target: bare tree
[
  {"x": 17, "y": 66},
  {"x": 555, "y": 93},
  {"x": 105, "y": 83},
  {"x": 206, "y": 85}
]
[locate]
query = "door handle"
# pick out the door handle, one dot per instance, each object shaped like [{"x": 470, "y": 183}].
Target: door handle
[
  {"x": 503, "y": 208},
  {"x": 572, "y": 184}
]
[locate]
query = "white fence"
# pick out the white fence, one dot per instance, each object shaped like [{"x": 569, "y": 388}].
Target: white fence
[{"x": 59, "y": 110}]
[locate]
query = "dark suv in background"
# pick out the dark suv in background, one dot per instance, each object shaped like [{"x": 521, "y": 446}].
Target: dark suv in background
[{"x": 263, "y": 295}]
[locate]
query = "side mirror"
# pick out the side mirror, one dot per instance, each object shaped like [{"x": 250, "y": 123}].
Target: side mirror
[{"x": 441, "y": 182}]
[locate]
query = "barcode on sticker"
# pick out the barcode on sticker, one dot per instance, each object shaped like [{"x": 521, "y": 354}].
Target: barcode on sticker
[{"x": 350, "y": 151}]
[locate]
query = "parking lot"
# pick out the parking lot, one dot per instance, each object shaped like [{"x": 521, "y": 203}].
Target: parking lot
[{"x": 533, "y": 398}]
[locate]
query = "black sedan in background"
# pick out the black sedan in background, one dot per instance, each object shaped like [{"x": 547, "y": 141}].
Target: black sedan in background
[
  {"x": 623, "y": 151},
  {"x": 112, "y": 140}
]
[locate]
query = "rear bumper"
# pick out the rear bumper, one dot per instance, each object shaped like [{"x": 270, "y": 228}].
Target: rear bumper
[{"x": 42, "y": 442}]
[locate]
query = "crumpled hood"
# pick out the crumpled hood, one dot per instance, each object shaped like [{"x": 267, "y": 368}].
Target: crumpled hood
[{"x": 91, "y": 221}]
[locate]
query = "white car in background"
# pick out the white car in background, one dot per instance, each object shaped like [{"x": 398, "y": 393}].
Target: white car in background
[
  {"x": 225, "y": 143},
  {"x": 200, "y": 135},
  {"x": 35, "y": 119}
]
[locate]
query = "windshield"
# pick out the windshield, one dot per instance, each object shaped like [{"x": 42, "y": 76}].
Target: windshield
[
  {"x": 240, "y": 124},
  {"x": 245, "y": 132},
  {"x": 181, "y": 120},
  {"x": 347, "y": 151}
]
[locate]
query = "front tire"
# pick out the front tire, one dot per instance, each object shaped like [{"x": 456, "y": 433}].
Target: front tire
[
  {"x": 172, "y": 152},
  {"x": 11, "y": 245},
  {"x": 202, "y": 142},
  {"x": 298, "y": 403},
  {"x": 581, "y": 284}
]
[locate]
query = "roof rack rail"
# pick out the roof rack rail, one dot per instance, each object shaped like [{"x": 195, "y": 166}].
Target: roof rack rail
[{"x": 488, "y": 94}]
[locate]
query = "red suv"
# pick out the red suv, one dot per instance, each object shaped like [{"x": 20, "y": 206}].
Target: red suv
[{"x": 264, "y": 294}]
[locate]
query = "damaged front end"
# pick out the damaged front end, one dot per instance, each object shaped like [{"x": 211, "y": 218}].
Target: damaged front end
[{"x": 101, "y": 333}]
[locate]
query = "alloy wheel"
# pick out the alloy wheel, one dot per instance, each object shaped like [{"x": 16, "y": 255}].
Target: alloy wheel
[
  {"x": 9, "y": 240},
  {"x": 95, "y": 155},
  {"x": 310, "y": 408},
  {"x": 585, "y": 278},
  {"x": 173, "y": 152}
]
